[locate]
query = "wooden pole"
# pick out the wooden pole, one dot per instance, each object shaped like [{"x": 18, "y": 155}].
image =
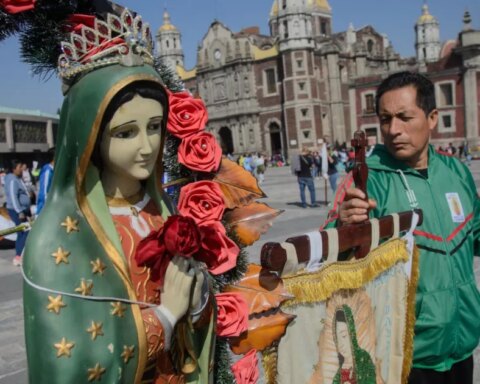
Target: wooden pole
[{"x": 326, "y": 200}]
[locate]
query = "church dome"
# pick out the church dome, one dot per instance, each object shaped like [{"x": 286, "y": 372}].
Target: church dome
[
  {"x": 319, "y": 4},
  {"x": 322, "y": 5},
  {"x": 167, "y": 25},
  {"x": 426, "y": 17},
  {"x": 274, "y": 10}
]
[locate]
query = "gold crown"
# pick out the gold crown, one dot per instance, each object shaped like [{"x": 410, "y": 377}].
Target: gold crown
[{"x": 122, "y": 40}]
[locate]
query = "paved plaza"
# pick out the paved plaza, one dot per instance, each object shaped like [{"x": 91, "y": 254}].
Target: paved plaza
[{"x": 282, "y": 190}]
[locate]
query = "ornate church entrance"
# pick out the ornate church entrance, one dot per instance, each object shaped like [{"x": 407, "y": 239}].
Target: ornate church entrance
[
  {"x": 275, "y": 138},
  {"x": 226, "y": 140}
]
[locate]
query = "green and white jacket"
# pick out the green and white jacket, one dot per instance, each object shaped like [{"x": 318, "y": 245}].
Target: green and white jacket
[{"x": 447, "y": 327}]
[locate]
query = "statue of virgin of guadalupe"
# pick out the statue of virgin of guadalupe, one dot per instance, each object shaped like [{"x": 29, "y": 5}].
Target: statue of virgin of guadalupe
[{"x": 91, "y": 313}]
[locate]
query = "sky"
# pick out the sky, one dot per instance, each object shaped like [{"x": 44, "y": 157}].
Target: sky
[{"x": 19, "y": 89}]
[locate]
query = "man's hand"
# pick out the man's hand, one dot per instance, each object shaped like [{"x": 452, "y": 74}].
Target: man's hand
[
  {"x": 354, "y": 208},
  {"x": 21, "y": 216}
]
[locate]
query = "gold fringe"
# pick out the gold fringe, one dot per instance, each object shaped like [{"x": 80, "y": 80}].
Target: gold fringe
[
  {"x": 410, "y": 321},
  {"x": 319, "y": 286},
  {"x": 269, "y": 362}
]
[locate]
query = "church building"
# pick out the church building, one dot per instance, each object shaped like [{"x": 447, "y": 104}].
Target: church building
[{"x": 303, "y": 83}]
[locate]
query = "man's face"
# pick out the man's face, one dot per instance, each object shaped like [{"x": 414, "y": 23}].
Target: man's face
[
  {"x": 17, "y": 171},
  {"x": 404, "y": 126}
]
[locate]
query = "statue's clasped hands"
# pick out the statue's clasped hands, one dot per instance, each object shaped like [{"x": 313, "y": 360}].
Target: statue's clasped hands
[{"x": 182, "y": 289}]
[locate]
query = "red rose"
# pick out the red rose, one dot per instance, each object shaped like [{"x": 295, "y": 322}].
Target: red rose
[
  {"x": 178, "y": 236},
  {"x": 186, "y": 115},
  {"x": 151, "y": 253},
  {"x": 181, "y": 236},
  {"x": 217, "y": 250},
  {"x": 202, "y": 201},
  {"x": 200, "y": 152},
  {"x": 17, "y": 6},
  {"x": 245, "y": 370},
  {"x": 232, "y": 314}
]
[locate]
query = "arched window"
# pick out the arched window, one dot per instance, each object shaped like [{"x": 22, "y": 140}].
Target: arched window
[{"x": 370, "y": 45}]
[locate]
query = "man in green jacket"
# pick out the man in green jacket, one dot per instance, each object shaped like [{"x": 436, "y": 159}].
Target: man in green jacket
[{"x": 407, "y": 173}]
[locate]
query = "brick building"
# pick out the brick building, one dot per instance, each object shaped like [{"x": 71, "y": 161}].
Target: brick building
[{"x": 303, "y": 83}]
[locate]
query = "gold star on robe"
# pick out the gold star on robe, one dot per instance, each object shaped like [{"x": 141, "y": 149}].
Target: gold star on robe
[
  {"x": 95, "y": 330},
  {"x": 127, "y": 353},
  {"x": 118, "y": 309},
  {"x": 85, "y": 288},
  {"x": 96, "y": 372},
  {"x": 98, "y": 266},
  {"x": 70, "y": 224},
  {"x": 55, "y": 304},
  {"x": 64, "y": 347},
  {"x": 61, "y": 256}
]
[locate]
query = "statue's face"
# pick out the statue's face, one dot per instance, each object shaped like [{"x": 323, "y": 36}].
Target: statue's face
[{"x": 131, "y": 140}]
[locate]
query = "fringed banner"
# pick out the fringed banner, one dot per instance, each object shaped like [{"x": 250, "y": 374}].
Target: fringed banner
[{"x": 354, "y": 322}]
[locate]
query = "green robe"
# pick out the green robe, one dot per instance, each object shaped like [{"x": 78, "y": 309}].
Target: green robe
[{"x": 61, "y": 347}]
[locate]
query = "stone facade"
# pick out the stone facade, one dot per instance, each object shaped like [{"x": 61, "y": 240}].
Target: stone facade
[
  {"x": 26, "y": 135},
  {"x": 303, "y": 83}
]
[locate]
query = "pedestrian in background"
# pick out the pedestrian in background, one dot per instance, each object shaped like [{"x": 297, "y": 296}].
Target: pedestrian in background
[
  {"x": 302, "y": 166},
  {"x": 18, "y": 205},
  {"x": 247, "y": 163},
  {"x": 46, "y": 175},
  {"x": 260, "y": 168},
  {"x": 332, "y": 171}
]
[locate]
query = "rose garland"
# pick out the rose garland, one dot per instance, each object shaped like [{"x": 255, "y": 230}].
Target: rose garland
[{"x": 198, "y": 230}]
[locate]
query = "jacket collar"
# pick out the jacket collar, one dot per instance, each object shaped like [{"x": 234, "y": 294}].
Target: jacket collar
[{"x": 381, "y": 159}]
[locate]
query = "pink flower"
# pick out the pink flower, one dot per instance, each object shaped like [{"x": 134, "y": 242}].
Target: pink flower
[
  {"x": 200, "y": 152},
  {"x": 202, "y": 201},
  {"x": 186, "y": 115},
  {"x": 245, "y": 370},
  {"x": 232, "y": 314}
]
